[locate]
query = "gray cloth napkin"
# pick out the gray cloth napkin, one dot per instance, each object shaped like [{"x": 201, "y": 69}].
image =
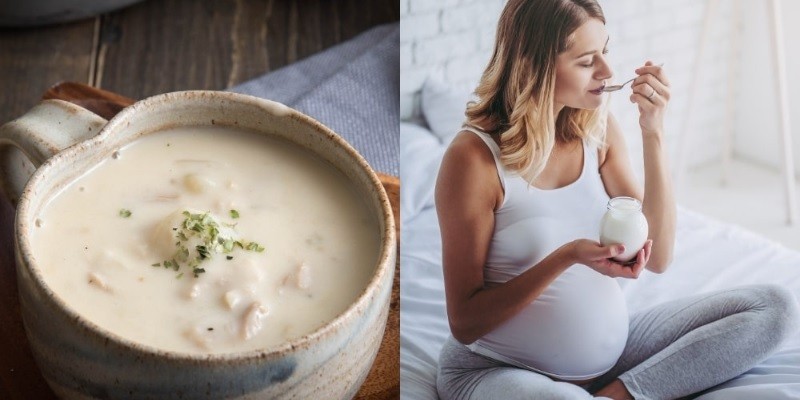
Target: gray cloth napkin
[{"x": 353, "y": 88}]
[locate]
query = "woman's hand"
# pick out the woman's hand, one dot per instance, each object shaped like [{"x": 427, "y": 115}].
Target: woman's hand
[
  {"x": 598, "y": 257},
  {"x": 651, "y": 94}
]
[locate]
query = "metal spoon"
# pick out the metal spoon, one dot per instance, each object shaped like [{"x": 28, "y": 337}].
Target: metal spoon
[{"x": 614, "y": 88}]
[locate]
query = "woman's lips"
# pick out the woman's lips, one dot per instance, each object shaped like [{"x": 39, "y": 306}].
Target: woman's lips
[{"x": 598, "y": 90}]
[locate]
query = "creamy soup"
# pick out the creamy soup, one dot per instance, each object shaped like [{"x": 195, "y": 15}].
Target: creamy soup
[{"x": 202, "y": 241}]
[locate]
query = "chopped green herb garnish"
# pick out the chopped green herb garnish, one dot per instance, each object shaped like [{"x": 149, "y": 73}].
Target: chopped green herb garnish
[
  {"x": 156, "y": 265},
  {"x": 179, "y": 276},
  {"x": 199, "y": 238},
  {"x": 125, "y": 213},
  {"x": 253, "y": 246},
  {"x": 183, "y": 253},
  {"x": 202, "y": 251}
]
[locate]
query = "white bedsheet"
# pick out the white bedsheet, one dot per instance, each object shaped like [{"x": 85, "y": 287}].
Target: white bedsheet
[{"x": 709, "y": 255}]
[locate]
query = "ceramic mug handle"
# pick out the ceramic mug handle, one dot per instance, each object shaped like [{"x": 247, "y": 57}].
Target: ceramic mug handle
[{"x": 28, "y": 141}]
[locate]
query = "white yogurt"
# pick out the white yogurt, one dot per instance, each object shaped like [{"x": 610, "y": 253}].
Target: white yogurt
[
  {"x": 624, "y": 223},
  {"x": 308, "y": 244}
]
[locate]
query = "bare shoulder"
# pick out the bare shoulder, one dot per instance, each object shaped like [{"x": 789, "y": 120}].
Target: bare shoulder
[
  {"x": 468, "y": 168},
  {"x": 468, "y": 147}
]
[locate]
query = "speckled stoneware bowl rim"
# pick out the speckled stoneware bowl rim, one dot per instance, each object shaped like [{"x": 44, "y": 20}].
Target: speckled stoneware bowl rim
[{"x": 387, "y": 246}]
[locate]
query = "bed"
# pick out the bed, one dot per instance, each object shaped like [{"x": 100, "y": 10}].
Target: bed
[{"x": 709, "y": 255}]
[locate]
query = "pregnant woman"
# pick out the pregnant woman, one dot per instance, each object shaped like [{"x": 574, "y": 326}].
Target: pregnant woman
[{"x": 533, "y": 306}]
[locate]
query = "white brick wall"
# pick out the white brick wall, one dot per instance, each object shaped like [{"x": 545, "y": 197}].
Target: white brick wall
[
  {"x": 452, "y": 36},
  {"x": 416, "y": 28},
  {"x": 757, "y": 118},
  {"x": 421, "y": 6},
  {"x": 456, "y": 37}
]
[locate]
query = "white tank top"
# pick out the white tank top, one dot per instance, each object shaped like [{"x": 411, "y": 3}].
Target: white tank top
[{"x": 577, "y": 328}]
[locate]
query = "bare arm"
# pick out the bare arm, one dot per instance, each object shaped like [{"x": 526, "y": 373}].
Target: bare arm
[
  {"x": 658, "y": 203},
  {"x": 468, "y": 191}
]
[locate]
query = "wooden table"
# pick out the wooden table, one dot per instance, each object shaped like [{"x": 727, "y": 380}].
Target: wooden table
[{"x": 155, "y": 47}]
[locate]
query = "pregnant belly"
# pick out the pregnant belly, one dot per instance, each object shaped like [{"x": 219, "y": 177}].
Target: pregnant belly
[{"x": 575, "y": 330}]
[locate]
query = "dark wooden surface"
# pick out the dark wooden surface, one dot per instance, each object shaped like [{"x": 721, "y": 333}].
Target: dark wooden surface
[
  {"x": 154, "y": 47},
  {"x": 164, "y": 45}
]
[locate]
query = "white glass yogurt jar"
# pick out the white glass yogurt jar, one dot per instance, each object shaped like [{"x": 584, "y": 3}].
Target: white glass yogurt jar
[{"x": 624, "y": 223}]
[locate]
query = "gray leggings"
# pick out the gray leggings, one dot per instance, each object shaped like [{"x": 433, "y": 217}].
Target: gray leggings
[{"x": 673, "y": 350}]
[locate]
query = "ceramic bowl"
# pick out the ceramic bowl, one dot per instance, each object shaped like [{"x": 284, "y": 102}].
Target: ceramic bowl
[{"x": 80, "y": 360}]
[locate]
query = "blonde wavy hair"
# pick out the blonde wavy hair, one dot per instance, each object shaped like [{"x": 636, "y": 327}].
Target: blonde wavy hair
[{"x": 515, "y": 96}]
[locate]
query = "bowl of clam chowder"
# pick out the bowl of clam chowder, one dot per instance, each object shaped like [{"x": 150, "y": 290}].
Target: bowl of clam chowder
[{"x": 199, "y": 244}]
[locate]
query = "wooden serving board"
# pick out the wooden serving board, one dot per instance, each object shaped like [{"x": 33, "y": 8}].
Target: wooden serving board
[{"x": 20, "y": 377}]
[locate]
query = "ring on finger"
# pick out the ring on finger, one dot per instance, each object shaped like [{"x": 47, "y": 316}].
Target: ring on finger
[{"x": 651, "y": 95}]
